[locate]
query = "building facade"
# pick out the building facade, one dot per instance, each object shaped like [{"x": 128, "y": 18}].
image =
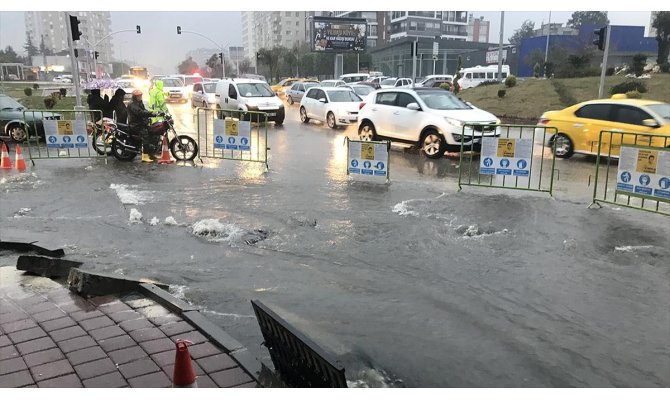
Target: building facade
[
  {"x": 452, "y": 25},
  {"x": 268, "y": 29},
  {"x": 478, "y": 29}
]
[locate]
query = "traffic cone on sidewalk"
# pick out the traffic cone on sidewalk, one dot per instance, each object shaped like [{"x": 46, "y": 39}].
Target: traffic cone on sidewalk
[
  {"x": 183, "y": 376},
  {"x": 165, "y": 154},
  {"x": 6, "y": 163},
  {"x": 20, "y": 162}
]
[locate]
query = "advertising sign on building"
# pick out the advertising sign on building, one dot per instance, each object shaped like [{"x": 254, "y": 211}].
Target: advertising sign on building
[
  {"x": 492, "y": 56},
  {"x": 338, "y": 35}
]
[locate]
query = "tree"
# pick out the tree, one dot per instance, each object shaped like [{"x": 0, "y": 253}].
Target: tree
[
  {"x": 639, "y": 62},
  {"x": 214, "y": 62},
  {"x": 580, "y": 18},
  {"x": 245, "y": 66},
  {"x": 8, "y": 55},
  {"x": 524, "y": 32},
  {"x": 187, "y": 66},
  {"x": 270, "y": 57},
  {"x": 662, "y": 25},
  {"x": 44, "y": 50},
  {"x": 29, "y": 47}
]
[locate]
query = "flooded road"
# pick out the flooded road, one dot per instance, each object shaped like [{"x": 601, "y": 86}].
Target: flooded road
[{"x": 411, "y": 283}]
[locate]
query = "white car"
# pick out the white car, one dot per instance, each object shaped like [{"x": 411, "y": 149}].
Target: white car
[
  {"x": 332, "y": 83},
  {"x": 431, "y": 119},
  {"x": 175, "y": 89},
  {"x": 204, "y": 95},
  {"x": 332, "y": 105},
  {"x": 395, "y": 82},
  {"x": 63, "y": 79}
]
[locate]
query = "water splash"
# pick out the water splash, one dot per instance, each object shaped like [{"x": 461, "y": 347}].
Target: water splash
[
  {"x": 216, "y": 231},
  {"x": 401, "y": 209},
  {"x": 129, "y": 196},
  {"x": 135, "y": 216},
  {"x": 170, "y": 221},
  {"x": 154, "y": 221}
]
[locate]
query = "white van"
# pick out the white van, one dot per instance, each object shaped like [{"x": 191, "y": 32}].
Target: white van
[
  {"x": 471, "y": 77},
  {"x": 353, "y": 78},
  {"x": 237, "y": 94}
]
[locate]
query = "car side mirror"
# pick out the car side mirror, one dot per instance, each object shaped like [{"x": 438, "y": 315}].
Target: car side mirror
[
  {"x": 651, "y": 123},
  {"x": 413, "y": 107},
  {"x": 322, "y": 100}
]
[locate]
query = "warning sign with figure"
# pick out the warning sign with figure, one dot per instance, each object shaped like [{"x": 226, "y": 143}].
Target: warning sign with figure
[
  {"x": 644, "y": 172},
  {"x": 506, "y": 156},
  {"x": 65, "y": 134},
  {"x": 368, "y": 158},
  {"x": 230, "y": 134}
]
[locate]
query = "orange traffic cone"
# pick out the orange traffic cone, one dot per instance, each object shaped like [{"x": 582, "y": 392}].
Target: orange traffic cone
[
  {"x": 6, "y": 163},
  {"x": 183, "y": 376},
  {"x": 165, "y": 154},
  {"x": 20, "y": 162}
]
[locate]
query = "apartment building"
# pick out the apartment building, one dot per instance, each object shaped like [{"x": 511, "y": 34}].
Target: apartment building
[
  {"x": 452, "y": 25},
  {"x": 267, "y": 29}
]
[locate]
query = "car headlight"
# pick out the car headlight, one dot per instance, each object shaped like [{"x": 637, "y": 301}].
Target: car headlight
[
  {"x": 454, "y": 122},
  {"x": 498, "y": 121}
]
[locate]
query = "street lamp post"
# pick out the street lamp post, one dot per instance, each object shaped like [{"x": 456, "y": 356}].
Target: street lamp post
[{"x": 223, "y": 63}]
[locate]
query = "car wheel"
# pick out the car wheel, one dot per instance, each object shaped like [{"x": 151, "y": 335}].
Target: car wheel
[
  {"x": 366, "y": 132},
  {"x": 563, "y": 146},
  {"x": 17, "y": 132},
  {"x": 330, "y": 120},
  {"x": 290, "y": 100},
  {"x": 303, "y": 115},
  {"x": 433, "y": 144}
]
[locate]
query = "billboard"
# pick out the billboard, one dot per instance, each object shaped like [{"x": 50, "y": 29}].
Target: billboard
[{"x": 338, "y": 35}]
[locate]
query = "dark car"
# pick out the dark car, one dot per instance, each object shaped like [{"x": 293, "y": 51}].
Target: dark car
[{"x": 12, "y": 120}]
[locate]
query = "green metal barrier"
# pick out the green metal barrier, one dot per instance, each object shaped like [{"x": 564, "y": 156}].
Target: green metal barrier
[
  {"x": 235, "y": 135},
  {"x": 642, "y": 177},
  {"x": 512, "y": 157},
  {"x": 61, "y": 134}
]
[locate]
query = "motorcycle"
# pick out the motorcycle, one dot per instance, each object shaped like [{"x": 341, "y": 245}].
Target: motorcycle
[{"x": 125, "y": 145}]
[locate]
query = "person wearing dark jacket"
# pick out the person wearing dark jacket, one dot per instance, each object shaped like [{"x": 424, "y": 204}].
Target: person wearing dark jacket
[
  {"x": 138, "y": 119},
  {"x": 95, "y": 102},
  {"x": 117, "y": 105}
]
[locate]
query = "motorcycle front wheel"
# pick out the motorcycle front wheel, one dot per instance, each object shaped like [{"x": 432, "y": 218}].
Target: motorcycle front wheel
[
  {"x": 98, "y": 143},
  {"x": 183, "y": 148},
  {"x": 121, "y": 153}
]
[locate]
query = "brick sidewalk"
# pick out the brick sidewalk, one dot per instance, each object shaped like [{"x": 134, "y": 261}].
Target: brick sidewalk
[{"x": 54, "y": 338}]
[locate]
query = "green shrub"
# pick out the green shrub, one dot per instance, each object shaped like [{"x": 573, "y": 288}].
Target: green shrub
[
  {"x": 445, "y": 86},
  {"x": 501, "y": 93},
  {"x": 36, "y": 86},
  {"x": 49, "y": 102},
  {"x": 510, "y": 81},
  {"x": 609, "y": 71},
  {"x": 639, "y": 61},
  {"x": 62, "y": 91},
  {"x": 28, "y": 91},
  {"x": 536, "y": 70},
  {"x": 549, "y": 68},
  {"x": 633, "y": 94},
  {"x": 629, "y": 86},
  {"x": 489, "y": 82}
]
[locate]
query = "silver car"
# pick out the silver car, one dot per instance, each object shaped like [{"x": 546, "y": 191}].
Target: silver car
[
  {"x": 204, "y": 95},
  {"x": 297, "y": 90}
]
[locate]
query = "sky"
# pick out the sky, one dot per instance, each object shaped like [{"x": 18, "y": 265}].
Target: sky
[{"x": 160, "y": 46}]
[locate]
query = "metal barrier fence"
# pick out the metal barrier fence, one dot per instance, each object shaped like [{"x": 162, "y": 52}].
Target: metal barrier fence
[
  {"x": 515, "y": 158},
  {"x": 237, "y": 135},
  {"x": 642, "y": 176},
  {"x": 65, "y": 134}
]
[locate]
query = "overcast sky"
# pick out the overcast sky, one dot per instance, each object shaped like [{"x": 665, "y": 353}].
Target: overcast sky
[{"x": 159, "y": 44}]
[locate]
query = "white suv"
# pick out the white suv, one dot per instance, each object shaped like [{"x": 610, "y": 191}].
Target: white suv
[{"x": 431, "y": 119}]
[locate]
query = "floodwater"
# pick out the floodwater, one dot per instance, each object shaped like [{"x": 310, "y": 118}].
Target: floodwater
[{"x": 410, "y": 283}]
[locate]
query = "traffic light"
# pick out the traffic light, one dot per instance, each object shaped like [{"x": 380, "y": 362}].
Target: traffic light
[
  {"x": 221, "y": 57},
  {"x": 96, "y": 54},
  {"x": 74, "y": 26},
  {"x": 600, "y": 37},
  {"x": 178, "y": 30},
  {"x": 139, "y": 30},
  {"x": 76, "y": 53}
]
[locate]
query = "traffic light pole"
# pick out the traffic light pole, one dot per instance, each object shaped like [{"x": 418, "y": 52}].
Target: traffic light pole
[
  {"x": 603, "y": 71},
  {"x": 74, "y": 61}
]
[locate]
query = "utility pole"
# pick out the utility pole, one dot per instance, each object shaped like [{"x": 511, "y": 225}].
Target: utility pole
[
  {"x": 603, "y": 71},
  {"x": 415, "y": 48},
  {"x": 546, "y": 50},
  {"x": 500, "y": 48}
]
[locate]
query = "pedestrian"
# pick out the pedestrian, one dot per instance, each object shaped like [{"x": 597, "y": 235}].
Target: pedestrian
[
  {"x": 157, "y": 99},
  {"x": 95, "y": 102},
  {"x": 117, "y": 106},
  {"x": 138, "y": 119}
]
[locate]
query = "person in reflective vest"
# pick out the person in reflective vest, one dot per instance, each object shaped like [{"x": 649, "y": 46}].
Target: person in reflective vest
[{"x": 157, "y": 100}]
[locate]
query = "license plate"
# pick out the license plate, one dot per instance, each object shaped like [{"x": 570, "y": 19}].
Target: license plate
[
  {"x": 272, "y": 114},
  {"x": 175, "y": 95}
]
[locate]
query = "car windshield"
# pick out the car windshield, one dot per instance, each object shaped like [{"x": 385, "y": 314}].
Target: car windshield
[
  {"x": 171, "y": 82},
  {"x": 388, "y": 82},
  {"x": 309, "y": 85},
  {"x": 192, "y": 79},
  {"x": 442, "y": 100},
  {"x": 342, "y": 96},
  {"x": 363, "y": 90},
  {"x": 661, "y": 109},
  {"x": 328, "y": 83},
  {"x": 210, "y": 87},
  {"x": 7, "y": 103},
  {"x": 255, "y": 90}
]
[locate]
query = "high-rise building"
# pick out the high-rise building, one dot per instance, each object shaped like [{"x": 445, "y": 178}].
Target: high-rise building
[
  {"x": 268, "y": 29},
  {"x": 51, "y": 27},
  {"x": 478, "y": 29},
  {"x": 431, "y": 24}
]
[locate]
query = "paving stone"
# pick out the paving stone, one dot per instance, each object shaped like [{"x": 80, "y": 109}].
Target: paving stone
[
  {"x": 67, "y": 333},
  {"x": 18, "y": 325},
  {"x": 56, "y": 324},
  {"x": 48, "y": 315},
  {"x": 230, "y": 377},
  {"x": 142, "y": 335},
  {"x": 205, "y": 382},
  {"x": 164, "y": 358},
  {"x": 117, "y": 306},
  {"x": 140, "y": 303},
  {"x": 127, "y": 355},
  {"x": 125, "y": 316},
  {"x": 85, "y": 314},
  {"x": 16, "y": 379},
  {"x": 155, "y": 380},
  {"x": 56, "y": 294},
  {"x": 12, "y": 365},
  {"x": 153, "y": 311},
  {"x": 165, "y": 319},
  {"x": 135, "y": 324},
  {"x": 176, "y": 328},
  {"x": 78, "y": 305},
  {"x": 6, "y": 307},
  {"x": 216, "y": 363},
  {"x": 95, "y": 368},
  {"x": 86, "y": 355},
  {"x": 67, "y": 381},
  {"x": 117, "y": 343},
  {"x": 30, "y": 300},
  {"x": 4, "y": 341},
  {"x": 203, "y": 350},
  {"x": 11, "y": 317},
  {"x": 36, "y": 345},
  {"x": 78, "y": 343},
  {"x": 43, "y": 357},
  {"x": 26, "y": 335},
  {"x": 8, "y": 352},
  {"x": 106, "y": 332},
  {"x": 51, "y": 370},
  {"x": 100, "y": 300},
  {"x": 113, "y": 380},
  {"x": 194, "y": 336},
  {"x": 139, "y": 367},
  {"x": 41, "y": 307},
  {"x": 96, "y": 323},
  {"x": 169, "y": 369},
  {"x": 158, "y": 345}
]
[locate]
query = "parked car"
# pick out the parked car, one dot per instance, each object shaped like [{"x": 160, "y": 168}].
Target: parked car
[
  {"x": 13, "y": 124},
  {"x": 332, "y": 105},
  {"x": 428, "y": 118},
  {"x": 333, "y": 83},
  {"x": 63, "y": 79},
  {"x": 204, "y": 95},
  {"x": 175, "y": 90},
  {"x": 579, "y": 125},
  {"x": 280, "y": 88},
  {"x": 361, "y": 90},
  {"x": 353, "y": 78},
  {"x": 395, "y": 82},
  {"x": 295, "y": 93},
  {"x": 376, "y": 79},
  {"x": 248, "y": 95},
  {"x": 434, "y": 80},
  {"x": 374, "y": 85}
]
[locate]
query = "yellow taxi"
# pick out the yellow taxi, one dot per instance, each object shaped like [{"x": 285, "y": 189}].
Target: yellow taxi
[
  {"x": 579, "y": 126},
  {"x": 284, "y": 84}
]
